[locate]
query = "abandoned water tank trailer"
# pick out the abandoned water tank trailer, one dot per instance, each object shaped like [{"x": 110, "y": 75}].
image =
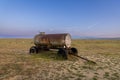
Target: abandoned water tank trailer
[{"x": 62, "y": 42}]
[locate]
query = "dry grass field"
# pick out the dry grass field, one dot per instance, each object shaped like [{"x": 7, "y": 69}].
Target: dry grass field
[{"x": 17, "y": 64}]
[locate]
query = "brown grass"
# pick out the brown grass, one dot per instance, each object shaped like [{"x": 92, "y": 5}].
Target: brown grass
[{"x": 17, "y": 64}]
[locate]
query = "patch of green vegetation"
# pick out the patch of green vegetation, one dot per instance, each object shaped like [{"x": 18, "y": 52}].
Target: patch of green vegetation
[
  {"x": 106, "y": 75},
  {"x": 47, "y": 55},
  {"x": 115, "y": 76},
  {"x": 95, "y": 78}
]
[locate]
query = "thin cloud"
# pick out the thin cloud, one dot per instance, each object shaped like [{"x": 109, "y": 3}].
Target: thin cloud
[{"x": 92, "y": 26}]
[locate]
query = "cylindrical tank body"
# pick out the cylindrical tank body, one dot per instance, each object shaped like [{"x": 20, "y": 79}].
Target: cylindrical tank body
[{"x": 53, "y": 40}]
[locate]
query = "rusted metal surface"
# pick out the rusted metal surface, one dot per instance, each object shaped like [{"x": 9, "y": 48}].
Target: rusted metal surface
[{"x": 53, "y": 39}]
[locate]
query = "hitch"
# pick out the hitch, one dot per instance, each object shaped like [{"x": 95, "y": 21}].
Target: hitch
[{"x": 86, "y": 59}]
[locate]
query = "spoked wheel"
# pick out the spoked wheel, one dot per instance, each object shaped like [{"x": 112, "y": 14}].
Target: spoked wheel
[
  {"x": 74, "y": 51},
  {"x": 62, "y": 52},
  {"x": 33, "y": 50}
]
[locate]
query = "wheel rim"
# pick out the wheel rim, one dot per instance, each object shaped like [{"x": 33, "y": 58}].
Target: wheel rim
[
  {"x": 74, "y": 51},
  {"x": 33, "y": 50}
]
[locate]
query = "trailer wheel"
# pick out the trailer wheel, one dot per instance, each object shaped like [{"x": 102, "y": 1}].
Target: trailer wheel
[
  {"x": 74, "y": 51},
  {"x": 33, "y": 50},
  {"x": 62, "y": 52}
]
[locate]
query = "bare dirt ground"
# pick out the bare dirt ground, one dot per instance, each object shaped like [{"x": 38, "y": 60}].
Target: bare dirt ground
[{"x": 17, "y": 64}]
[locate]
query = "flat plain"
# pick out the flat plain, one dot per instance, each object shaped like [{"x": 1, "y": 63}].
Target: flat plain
[{"x": 17, "y": 64}]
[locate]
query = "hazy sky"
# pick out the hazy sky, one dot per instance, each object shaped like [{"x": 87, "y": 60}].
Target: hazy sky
[{"x": 25, "y": 18}]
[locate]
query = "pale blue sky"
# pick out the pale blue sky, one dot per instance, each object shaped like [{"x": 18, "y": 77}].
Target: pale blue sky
[{"x": 80, "y": 18}]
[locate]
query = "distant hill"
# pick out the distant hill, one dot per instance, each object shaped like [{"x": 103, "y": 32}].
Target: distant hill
[
  {"x": 110, "y": 38},
  {"x": 89, "y": 37},
  {"x": 103, "y": 38}
]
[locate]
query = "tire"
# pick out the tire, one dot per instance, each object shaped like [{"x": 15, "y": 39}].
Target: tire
[
  {"x": 74, "y": 51},
  {"x": 33, "y": 50},
  {"x": 62, "y": 52}
]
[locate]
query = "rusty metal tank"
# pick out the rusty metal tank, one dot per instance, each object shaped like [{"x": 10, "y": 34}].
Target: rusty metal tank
[{"x": 53, "y": 40}]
